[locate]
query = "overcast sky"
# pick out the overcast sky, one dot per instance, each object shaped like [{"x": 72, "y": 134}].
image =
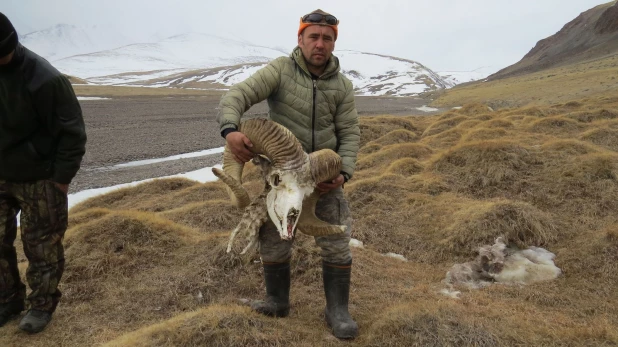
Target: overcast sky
[{"x": 445, "y": 35}]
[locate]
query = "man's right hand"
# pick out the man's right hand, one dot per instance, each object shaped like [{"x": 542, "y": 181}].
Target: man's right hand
[{"x": 239, "y": 145}]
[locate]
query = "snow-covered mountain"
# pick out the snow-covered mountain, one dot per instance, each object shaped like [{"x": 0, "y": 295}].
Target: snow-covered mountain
[
  {"x": 203, "y": 61},
  {"x": 187, "y": 51},
  {"x": 64, "y": 40},
  {"x": 376, "y": 74},
  {"x": 453, "y": 78},
  {"x": 371, "y": 74}
]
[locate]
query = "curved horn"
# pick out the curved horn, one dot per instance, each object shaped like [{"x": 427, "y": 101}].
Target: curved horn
[
  {"x": 310, "y": 224},
  {"x": 231, "y": 175},
  {"x": 274, "y": 141},
  {"x": 268, "y": 138},
  {"x": 325, "y": 165}
]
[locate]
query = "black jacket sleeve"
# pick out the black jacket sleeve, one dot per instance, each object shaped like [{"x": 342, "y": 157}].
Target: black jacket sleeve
[{"x": 57, "y": 103}]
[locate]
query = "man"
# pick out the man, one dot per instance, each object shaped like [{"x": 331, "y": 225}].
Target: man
[
  {"x": 307, "y": 94},
  {"x": 42, "y": 141}
]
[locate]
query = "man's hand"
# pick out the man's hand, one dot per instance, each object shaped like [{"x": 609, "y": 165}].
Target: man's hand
[
  {"x": 327, "y": 186},
  {"x": 63, "y": 187},
  {"x": 239, "y": 145}
]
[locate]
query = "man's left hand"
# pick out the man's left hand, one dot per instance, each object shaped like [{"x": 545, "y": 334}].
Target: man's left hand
[
  {"x": 327, "y": 186},
  {"x": 63, "y": 187}
]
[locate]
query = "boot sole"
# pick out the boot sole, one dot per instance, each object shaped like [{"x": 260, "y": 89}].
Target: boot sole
[
  {"x": 341, "y": 337},
  {"x": 31, "y": 330}
]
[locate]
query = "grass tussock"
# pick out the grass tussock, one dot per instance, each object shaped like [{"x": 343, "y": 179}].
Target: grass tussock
[
  {"x": 443, "y": 125},
  {"x": 376, "y": 127},
  {"x": 519, "y": 223},
  {"x": 395, "y": 137},
  {"x": 146, "y": 265},
  {"x": 216, "y": 325},
  {"x": 593, "y": 116},
  {"x": 394, "y": 152},
  {"x": 483, "y": 134},
  {"x": 444, "y": 139},
  {"x": 603, "y": 137},
  {"x": 121, "y": 243},
  {"x": 207, "y": 216},
  {"x": 554, "y": 125},
  {"x": 468, "y": 124},
  {"x": 474, "y": 167},
  {"x": 87, "y": 216},
  {"x": 410, "y": 325},
  {"x": 498, "y": 124},
  {"x": 155, "y": 196},
  {"x": 474, "y": 109},
  {"x": 405, "y": 167},
  {"x": 569, "y": 147}
]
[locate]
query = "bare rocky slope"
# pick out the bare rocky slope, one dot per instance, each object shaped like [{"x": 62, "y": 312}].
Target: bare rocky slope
[{"x": 592, "y": 35}]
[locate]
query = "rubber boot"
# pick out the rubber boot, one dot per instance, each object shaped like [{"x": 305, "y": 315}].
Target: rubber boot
[
  {"x": 35, "y": 321},
  {"x": 337, "y": 289},
  {"x": 10, "y": 310},
  {"x": 277, "y": 303}
]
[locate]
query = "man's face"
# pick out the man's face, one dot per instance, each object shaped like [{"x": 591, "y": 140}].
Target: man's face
[
  {"x": 317, "y": 42},
  {"x": 7, "y": 58}
]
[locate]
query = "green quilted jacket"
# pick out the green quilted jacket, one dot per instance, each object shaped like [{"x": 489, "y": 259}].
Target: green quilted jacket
[{"x": 321, "y": 112}]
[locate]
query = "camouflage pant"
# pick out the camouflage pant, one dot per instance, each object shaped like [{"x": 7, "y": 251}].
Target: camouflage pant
[
  {"x": 333, "y": 208},
  {"x": 43, "y": 220}
]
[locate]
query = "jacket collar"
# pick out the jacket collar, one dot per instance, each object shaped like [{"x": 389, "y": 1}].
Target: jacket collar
[{"x": 332, "y": 67}]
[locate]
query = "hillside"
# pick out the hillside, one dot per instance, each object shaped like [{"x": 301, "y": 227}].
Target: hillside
[
  {"x": 588, "y": 79},
  {"x": 592, "y": 35},
  {"x": 146, "y": 266},
  {"x": 371, "y": 75}
]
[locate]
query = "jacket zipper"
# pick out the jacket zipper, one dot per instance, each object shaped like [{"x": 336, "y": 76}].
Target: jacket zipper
[{"x": 315, "y": 87}]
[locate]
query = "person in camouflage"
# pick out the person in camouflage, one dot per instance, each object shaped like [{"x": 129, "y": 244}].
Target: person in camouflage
[
  {"x": 42, "y": 142},
  {"x": 307, "y": 94}
]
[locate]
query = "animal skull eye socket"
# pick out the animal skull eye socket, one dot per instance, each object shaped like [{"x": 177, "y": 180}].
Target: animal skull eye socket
[{"x": 276, "y": 180}]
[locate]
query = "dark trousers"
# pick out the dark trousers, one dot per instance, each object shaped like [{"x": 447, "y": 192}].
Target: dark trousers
[{"x": 43, "y": 222}]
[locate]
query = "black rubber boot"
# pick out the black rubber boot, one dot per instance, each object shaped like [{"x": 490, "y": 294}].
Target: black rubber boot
[
  {"x": 35, "y": 321},
  {"x": 337, "y": 289},
  {"x": 10, "y": 310},
  {"x": 277, "y": 303}
]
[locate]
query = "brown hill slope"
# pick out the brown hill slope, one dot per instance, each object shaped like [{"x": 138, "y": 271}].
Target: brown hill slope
[
  {"x": 590, "y": 79},
  {"x": 592, "y": 35},
  {"x": 146, "y": 266}
]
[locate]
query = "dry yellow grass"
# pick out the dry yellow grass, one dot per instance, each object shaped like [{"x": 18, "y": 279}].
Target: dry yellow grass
[
  {"x": 558, "y": 85},
  {"x": 146, "y": 265}
]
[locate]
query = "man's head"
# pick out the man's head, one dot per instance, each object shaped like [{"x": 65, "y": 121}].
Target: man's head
[
  {"x": 8, "y": 39},
  {"x": 316, "y": 38}
]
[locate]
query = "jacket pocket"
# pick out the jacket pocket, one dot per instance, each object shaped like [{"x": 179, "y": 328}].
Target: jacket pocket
[{"x": 23, "y": 163}]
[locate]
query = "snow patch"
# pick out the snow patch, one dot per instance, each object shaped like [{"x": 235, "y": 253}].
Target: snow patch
[
  {"x": 91, "y": 98},
  {"x": 396, "y": 256},
  {"x": 426, "y": 108},
  {"x": 356, "y": 243},
  {"x": 173, "y": 157}
]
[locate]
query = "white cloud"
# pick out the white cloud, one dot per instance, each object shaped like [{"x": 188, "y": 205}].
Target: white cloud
[{"x": 442, "y": 34}]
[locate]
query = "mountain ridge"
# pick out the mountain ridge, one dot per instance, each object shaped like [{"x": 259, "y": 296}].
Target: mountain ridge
[{"x": 593, "y": 34}]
